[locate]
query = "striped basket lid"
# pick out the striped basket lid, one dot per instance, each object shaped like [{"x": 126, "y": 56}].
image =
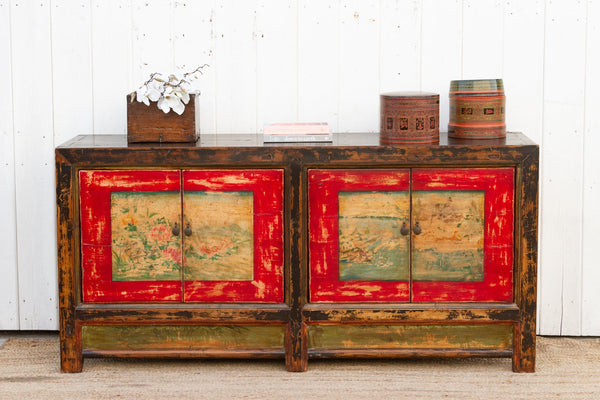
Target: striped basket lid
[
  {"x": 411, "y": 94},
  {"x": 477, "y": 86}
]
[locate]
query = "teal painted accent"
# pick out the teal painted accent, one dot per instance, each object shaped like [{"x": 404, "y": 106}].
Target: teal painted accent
[
  {"x": 457, "y": 266},
  {"x": 217, "y": 194},
  {"x": 371, "y": 246},
  {"x": 494, "y": 336},
  {"x": 183, "y": 337}
]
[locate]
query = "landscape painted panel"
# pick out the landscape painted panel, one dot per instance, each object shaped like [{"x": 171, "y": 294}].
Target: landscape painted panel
[
  {"x": 450, "y": 247},
  {"x": 371, "y": 246},
  {"x": 221, "y": 246},
  {"x": 143, "y": 246}
]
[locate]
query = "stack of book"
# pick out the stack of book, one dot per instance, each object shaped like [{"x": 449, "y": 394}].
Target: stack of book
[{"x": 297, "y": 132}]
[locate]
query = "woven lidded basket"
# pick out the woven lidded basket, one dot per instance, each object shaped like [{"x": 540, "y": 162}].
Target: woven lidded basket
[
  {"x": 409, "y": 118},
  {"x": 477, "y": 109}
]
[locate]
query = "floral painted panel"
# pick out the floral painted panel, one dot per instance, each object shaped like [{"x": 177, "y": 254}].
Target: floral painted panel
[
  {"x": 450, "y": 247},
  {"x": 371, "y": 246},
  {"x": 221, "y": 246},
  {"x": 143, "y": 245}
]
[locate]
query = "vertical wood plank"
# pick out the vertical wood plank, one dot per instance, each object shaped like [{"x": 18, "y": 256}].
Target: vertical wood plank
[
  {"x": 318, "y": 52},
  {"x": 152, "y": 39},
  {"x": 524, "y": 67},
  {"x": 194, "y": 45},
  {"x": 359, "y": 66},
  {"x": 235, "y": 66},
  {"x": 34, "y": 159},
  {"x": 400, "y": 46},
  {"x": 296, "y": 354},
  {"x": 277, "y": 61},
  {"x": 71, "y": 69},
  {"x": 441, "y": 54},
  {"x": 71, "y": 359},
  {"x": 525, "y": 278},
  {"x": 111, "y": 64},
  {"x": 590, "y": 313},
  {"x": 561, "y": 232},
  {"x": 9, "y": 289},
  {"x": 483, "y": 39}
]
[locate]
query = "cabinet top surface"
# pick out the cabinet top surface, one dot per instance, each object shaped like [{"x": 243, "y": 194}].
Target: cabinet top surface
[{"x": 255, "y": 140}]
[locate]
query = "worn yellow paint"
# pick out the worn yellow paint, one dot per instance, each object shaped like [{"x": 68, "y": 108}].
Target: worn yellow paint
[
  {"x": 450, "y": 247},
  {"x": 128, "y": 180},
  {"x": 221, "y": 246},
  {"x": 183, "y": 337},
  {"x": 216, "y": 183},
  {"x": 321, "y": 337}
]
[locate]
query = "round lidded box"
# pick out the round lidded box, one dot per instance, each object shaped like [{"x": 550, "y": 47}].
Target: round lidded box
[
  {"x": 477, "y": 109},
  {"x": 409, "y": 118}
]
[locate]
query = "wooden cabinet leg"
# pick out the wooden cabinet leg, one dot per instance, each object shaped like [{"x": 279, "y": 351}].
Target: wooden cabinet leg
[
  {"x": 296, "y": 354},
  {"x": 71, "y": 356},
  {"x": 523, "y": 359}
]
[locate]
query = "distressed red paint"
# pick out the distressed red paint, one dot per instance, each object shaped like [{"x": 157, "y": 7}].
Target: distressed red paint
[
  {"x": 498, "y": 185},
  {"x": 95, "y": 210},
  {"x": 267, "y": 283},
  {"x": 95, "y": 199},
  {"x": 323, "y": 189}
]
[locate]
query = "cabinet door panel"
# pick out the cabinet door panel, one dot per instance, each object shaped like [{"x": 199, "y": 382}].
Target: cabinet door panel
[
  {"x": 370, "y": 244},
  {"x": 465, "y": 249},
  {"x": 234, "y": 250},
  {"x": 143, "y": 245},
  {"x": 450, "y": 247},
  {"x": 221, "y": 247},
  {"x": 357, "y": 251},
  {"x": 129, "y": 251}
]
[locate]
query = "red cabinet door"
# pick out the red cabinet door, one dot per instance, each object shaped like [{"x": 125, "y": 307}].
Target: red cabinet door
[
  {"x": 464, "y": 249},
  {"x": 129, "y": 249},
  {"x": 358, "y": 239},
  {"x": 233, "y": 235},
  {"x": 421, "y": 235}
]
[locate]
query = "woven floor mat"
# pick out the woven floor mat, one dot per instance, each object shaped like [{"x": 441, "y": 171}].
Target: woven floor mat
[{"x": 567, "y": 368}]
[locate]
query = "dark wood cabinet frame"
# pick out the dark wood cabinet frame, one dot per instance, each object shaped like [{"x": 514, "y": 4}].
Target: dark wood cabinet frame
[{"x": 296, "y": 313}]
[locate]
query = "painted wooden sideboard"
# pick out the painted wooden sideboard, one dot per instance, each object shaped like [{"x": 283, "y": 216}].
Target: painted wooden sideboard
[{"x": 234, "y": 248}]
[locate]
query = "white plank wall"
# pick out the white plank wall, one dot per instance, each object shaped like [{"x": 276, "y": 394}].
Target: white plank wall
[
  {"x": 318, "y": 61},
  {"x": 441, "y": 49},
  {"x": 33, "y": 133},
  {"x": 9, "y": 287},
  {"x": 590, "y": 305},
  {"x": 111, "y": 65},
  {"x": 67, "y": 65},
  {"x": 563, "y": 129}
]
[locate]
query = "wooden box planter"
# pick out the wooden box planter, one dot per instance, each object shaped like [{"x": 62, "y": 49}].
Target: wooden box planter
[{"x": 149, "y": 124}]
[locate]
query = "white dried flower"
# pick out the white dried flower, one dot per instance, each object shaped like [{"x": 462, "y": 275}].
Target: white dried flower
[{"x": 170, "y": 93}]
